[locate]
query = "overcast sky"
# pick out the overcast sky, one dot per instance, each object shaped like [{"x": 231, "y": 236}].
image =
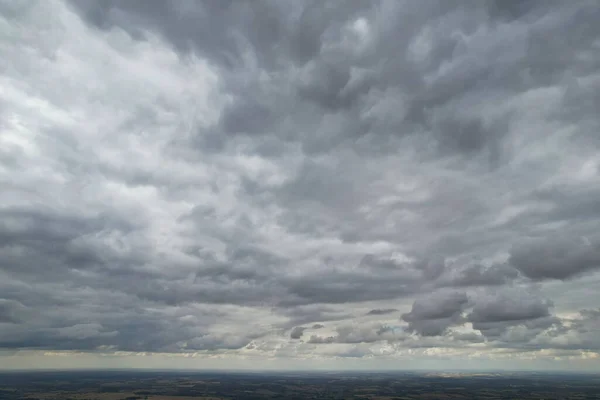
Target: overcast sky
[{"x": 300, "y": 184}]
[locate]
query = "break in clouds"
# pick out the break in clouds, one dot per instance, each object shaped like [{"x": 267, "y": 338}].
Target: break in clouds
[{"x": 301, "y": 179}]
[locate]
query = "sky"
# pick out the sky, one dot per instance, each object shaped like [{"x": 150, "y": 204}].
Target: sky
[{"x": 300, "y": 184}]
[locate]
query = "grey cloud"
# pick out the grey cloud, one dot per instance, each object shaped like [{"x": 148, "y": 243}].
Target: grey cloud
[
  {"x": 433, "y": 315},
  {"x": 441, "y": 305},
  {"x": 321, "y": 339},
  {"x": 267, "y": 29},
  {"x": 359, "y": 334},
  {"x": 297, "y": 332},
  {"x": 376, "y": 278},
  {"x": 493, "y": 314},
  {"x": 22, "y": 226},
  {"x": 309, "y": 313},
  {"x": 275, "y": 33},
  {"x": 590, "y": 314},
  {"x": 478, "y": 275},
  {"x": 128, "y": 327},
  {"x": 245, "y": 118},
  {"x": 556, "y": 257},
  {"x": 326, "y": 85},
  {"x": 62, "y": 243},
  {"x": 11, "y": 311},
  {"x": 382, "y": 311},
  {"x": 468, "y": 337},
  {"x": 587, "y": 328},
  {"x": 220, "y": 341},
  {"x": 568, "y": 335},
  {"x": 188, "y": 28},
  {"x": 349, "y": 334},
  {"x": 251, "y": 277},
  {"x": 514, "y": 9},
  {"x": 508, "y": 307}
]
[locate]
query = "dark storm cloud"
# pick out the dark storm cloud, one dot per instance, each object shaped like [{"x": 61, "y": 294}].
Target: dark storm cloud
[{"x": 210, "y": 172}]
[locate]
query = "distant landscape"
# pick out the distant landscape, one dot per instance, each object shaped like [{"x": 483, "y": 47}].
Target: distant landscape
[
  {"x": 198, "y": 197},
  {"x": 130, "y": 385}
]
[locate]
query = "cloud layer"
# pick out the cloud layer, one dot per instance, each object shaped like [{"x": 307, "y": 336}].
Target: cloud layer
[{"x": 300, "y": 180}]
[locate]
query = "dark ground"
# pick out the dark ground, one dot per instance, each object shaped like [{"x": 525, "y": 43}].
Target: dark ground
[{"x": 116, "y": 385}]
